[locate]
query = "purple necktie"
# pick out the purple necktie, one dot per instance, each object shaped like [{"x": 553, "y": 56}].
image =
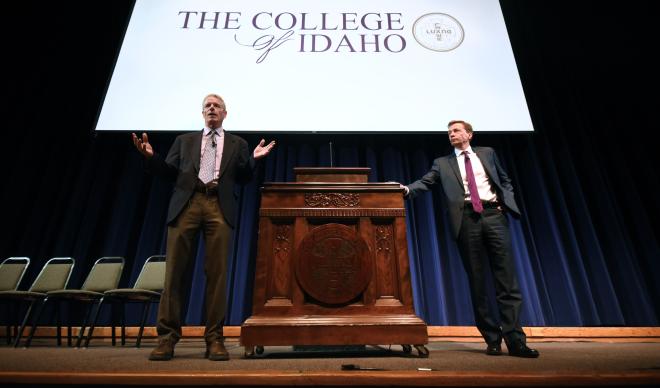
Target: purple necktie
[{"x": 472, "y": 185}]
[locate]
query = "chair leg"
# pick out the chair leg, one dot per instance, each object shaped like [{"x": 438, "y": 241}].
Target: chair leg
[
  {"x": 93, "y": 324},
  {"x": 40, "y": 309},
  {"x": 19, "y": 334},
  {"x": 16, "y": 321},
  {"x": 10, "y": 322},
  {"x": 58, "y": 322},
  {"x": 21, "y": 326},
  {"x": 123, "y": 324},
  {"x": 113, "y": 316},
  {"x": 145, "y": 313},
  {"x": 81, "y": 333}
]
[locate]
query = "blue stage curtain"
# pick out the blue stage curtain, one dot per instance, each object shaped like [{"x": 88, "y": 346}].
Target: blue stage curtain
[{"x": 586, "y": 254}]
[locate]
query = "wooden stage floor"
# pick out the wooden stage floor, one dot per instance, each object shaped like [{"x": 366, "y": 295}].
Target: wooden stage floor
[{"x": 564, "y": 361}]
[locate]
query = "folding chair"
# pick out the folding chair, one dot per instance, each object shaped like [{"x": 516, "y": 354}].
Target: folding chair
[
  {"x": 11, "y": 273},
  {"x": 147, "y": 290},
  {"x": 54, "y": 275},
  {"x": 104, "y": 275}
]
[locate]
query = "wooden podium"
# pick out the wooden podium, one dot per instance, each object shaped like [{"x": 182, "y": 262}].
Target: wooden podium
[{"x": 332, "y": 265}]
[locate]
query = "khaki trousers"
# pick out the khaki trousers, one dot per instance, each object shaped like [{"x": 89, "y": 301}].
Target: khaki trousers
[{"x": 202, "y": 214}]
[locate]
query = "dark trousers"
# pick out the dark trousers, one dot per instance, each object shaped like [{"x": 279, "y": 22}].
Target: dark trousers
[
  {"x": 489, "y": 231},
  {"x": 202, "y": 214}
]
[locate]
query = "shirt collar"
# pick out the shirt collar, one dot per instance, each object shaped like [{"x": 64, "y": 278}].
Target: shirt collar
[
  {"x": 459, "y": 152},
  {"x": 220, "y": 131}
]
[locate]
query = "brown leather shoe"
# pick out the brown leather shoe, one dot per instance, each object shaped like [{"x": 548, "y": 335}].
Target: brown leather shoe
[
  {"x": 215, "y": 351},
  {"x": 164, "y": 351}
]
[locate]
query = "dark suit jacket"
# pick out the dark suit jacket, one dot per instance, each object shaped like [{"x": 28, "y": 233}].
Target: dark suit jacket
[
  {"x": 446, "y": 172},
  {"x": 182, "y": 167}
]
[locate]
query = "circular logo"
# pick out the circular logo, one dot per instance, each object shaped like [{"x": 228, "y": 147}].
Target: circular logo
[
  {"x": 438, "y": 32},
  {"x": 333, "y": 264}
]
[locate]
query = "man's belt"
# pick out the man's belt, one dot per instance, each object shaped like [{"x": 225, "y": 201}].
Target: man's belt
[
  {"x": 486, "y": 205},
  {"x": 210, "y": 188}
]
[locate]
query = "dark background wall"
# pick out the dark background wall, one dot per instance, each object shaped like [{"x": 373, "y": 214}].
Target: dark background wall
[{"x": 587, "y": 179}]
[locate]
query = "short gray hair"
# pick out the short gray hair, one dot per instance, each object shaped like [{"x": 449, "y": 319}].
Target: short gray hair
[{"x": 216, "y": 96}]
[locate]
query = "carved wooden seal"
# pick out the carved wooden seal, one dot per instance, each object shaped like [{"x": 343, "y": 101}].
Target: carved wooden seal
[{"x": 333, "y": 264}]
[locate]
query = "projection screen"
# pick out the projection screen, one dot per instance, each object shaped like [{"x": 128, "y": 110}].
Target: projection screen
[{"x": 314, "y": 66}]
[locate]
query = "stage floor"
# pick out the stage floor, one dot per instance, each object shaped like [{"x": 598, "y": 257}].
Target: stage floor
[{"x": 450, "y": 364}]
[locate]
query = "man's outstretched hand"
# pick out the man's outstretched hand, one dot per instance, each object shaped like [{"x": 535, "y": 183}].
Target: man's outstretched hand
[
  {"x": 261, "y": 150},
  {"x": 142, "y": 145},
  {"x": 405, "y": 188}
]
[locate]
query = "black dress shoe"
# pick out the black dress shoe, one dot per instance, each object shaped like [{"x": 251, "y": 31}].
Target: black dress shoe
[
  {"x": 494, "y": 350},
  {"x": 519, "y": 349},
  {"x": 163, "y": 352}
]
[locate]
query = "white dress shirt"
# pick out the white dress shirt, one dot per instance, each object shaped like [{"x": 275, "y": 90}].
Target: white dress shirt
[{"x": 486, "y": 193}]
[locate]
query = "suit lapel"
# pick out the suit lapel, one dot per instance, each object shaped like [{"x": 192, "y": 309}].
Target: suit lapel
[
  {"x": 453, "y": 162},
  {"x": 195, "y": 149},
  {"x": 228, "y": 150}
]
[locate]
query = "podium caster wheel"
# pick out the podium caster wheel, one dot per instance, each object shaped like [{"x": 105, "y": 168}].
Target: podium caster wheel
[
  {"x": 259, "y": 350},
  {"x": 249, "y": 352},
  {"x": 407, "y": 349},
  {"x": 422, "y": 351}
]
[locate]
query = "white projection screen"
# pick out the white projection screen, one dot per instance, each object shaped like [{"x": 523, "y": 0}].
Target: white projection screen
[{"x": 304, "y": 66}]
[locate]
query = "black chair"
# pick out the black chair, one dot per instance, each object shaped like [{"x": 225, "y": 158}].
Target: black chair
[
  {"x": 54, "y": 275},
  {"x": 104, "y": 275},
  {"x": 146, "y": 290},
  {"x": 12, "y": 271}
]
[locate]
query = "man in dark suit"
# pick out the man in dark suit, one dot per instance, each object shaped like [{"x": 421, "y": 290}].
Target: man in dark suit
[
  {"x": 478, "y": 192},
  {"x": 204, "y": 166}
]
